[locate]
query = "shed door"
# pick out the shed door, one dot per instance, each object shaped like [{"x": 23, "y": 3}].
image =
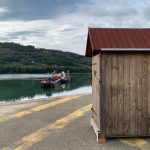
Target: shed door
[
  {"x": 127, "y": 94},
  {"x": 96, "y": 88}
]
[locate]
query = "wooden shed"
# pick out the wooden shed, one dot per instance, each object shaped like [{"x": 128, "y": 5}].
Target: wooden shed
[{"x": 120, "y": 82}]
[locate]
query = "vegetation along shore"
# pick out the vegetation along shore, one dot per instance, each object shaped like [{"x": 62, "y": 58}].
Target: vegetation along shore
[{"x": 16, "y": 58}]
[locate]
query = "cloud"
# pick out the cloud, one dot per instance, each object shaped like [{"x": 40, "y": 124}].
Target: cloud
[
  {"x": 116, "y": 13},
  {"x": 26, "y": 33},
  {"x": 37, "y": 9},
  {"x": 63, "y": 24},
  {"x": 3, "y": 11}
]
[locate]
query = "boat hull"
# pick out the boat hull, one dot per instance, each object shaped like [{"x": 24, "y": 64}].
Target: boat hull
[
  {"x": 50, "y": 84},
  {"x": 63, "y": 81}
]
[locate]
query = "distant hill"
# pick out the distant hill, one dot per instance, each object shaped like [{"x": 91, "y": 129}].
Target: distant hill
[{"x": 16, "y": 58}]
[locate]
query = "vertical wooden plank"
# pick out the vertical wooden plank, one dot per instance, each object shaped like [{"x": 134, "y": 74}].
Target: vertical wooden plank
[
  {"x": 108, "y": 96},
  {"x": 103, "y": 94},
  {"x": 149, "y": 94},
  {"x": 96, "y": 89},
  {"x": 114, "y": 93},
  {"x": 139, "y": 95},
  {"x": 126, "y": 94},
  {"x": 144, "y": 94},
  {"x": 132, "y": 102},
  {"x": 120, "y": 94}
]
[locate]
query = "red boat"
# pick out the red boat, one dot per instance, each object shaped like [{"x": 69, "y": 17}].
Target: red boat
[
  {"x": 51, "y": 84},
  {"x": 55, "y": 80},
  {"x": 63, "y": 79}
]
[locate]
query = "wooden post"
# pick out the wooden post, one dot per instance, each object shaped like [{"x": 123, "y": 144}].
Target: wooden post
[{"x": 99, "y": 139}]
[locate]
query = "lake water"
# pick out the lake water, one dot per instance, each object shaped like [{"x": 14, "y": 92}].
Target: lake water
[{"x": 27, "y": 86}]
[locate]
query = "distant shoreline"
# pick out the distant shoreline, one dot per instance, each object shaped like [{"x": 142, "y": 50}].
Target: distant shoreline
[
  {"x": 16, "y": 58},
  {"x": 37, "y": 73}
]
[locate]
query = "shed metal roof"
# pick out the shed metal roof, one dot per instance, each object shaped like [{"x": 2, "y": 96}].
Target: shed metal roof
[{"x": 117, "y": 39}]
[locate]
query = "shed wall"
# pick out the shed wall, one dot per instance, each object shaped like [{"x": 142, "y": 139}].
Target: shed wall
[
  {"x": 96, "y": 89},
  {"x": 126, "y": 97}
]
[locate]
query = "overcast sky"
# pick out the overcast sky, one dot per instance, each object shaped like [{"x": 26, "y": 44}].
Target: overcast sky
[{"x": 63, "y": 24}]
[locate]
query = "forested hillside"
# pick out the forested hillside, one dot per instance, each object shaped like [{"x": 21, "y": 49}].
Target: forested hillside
[{"x": 16, "y": 58}]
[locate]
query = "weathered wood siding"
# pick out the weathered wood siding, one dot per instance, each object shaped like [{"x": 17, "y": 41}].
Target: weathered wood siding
[
  {"x": 96, "y": 89},
  {"x": 125, "y": 93},
  {"x": 149, "y": 94}
]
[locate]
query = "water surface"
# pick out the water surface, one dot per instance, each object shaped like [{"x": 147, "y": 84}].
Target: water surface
[{"x": 27, "y": 86}]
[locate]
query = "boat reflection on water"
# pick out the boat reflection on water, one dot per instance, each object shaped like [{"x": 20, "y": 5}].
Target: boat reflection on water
[{"x": 58, "y": 89}]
